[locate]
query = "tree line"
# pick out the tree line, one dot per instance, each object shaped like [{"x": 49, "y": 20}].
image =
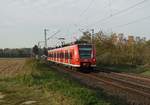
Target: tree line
[
  {"x": 15, "y": 52},
  {"x": 118, "y": 50}
]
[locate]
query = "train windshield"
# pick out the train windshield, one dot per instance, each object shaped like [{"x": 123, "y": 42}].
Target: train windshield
[{"x": 85, "y": 51}]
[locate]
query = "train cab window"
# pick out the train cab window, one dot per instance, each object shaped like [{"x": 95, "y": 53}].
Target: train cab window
[{"x": 85, "y": 51}]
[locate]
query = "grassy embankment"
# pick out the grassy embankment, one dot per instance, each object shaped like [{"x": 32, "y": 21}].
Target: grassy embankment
[
  {"x": 139, "y": 69},
  {"x": 39, "y": 85}
]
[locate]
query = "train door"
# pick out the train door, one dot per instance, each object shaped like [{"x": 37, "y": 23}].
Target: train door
[
  {"x": 66, "y": 56},
  {"x": 69, "y": 56},
  {"x": 64, "y": 59}
]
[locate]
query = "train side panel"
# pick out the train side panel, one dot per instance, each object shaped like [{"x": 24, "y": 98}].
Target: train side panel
[{"x": 74, "y": 56}]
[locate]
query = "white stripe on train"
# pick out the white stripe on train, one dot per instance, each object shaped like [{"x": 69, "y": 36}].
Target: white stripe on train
[{"x": 69, "y": 64}]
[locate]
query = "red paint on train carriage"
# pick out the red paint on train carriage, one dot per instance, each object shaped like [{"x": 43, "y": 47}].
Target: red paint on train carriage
[{"x": 78, "y": 55}]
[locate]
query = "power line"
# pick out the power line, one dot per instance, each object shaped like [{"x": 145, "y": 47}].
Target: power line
[
  {"x": 110, "y": 9},
  {"x": 53, "y": 35},
  {"x": 132, "y": 22},
  {"x": 86, "y": 9},
  {"x": 119, "y": 12}
]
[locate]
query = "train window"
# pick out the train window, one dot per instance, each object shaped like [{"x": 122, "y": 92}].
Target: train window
[
  {"x": 85, "y": 51},
  {"x": 70, "y": 55},
  {"x": 54, "y": 55},
  {"x": 50, "y": 55},
  {"x": 57, "y": 55},
  {"x": 62, "y": 55},
  {"x": 66, "y": 55}
]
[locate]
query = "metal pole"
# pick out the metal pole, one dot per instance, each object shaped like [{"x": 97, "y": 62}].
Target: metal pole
[
  {"x": 45, "y": 35},
  {"x": 38, "y": 44},
  {"x": 92, "y": 35}
]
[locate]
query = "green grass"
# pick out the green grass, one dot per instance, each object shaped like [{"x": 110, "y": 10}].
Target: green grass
[
  {"x": 45, "y": 86},
  {"x": 138, "y": 69},
  {"x": 146, "y": 73}
]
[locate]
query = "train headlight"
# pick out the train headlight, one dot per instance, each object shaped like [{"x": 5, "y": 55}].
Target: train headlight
[
  {"x": 94, "y": 60},
  {"x": 77, "y": 60}
]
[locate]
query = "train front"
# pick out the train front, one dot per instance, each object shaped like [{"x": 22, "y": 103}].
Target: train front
[{"x": 87, "y": 54}]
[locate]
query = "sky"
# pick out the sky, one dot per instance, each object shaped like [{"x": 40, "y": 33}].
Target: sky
[{"x": 22, "y": 21}]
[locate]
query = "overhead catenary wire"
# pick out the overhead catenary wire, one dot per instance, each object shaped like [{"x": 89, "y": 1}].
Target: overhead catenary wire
[
  {"x": 110, "y": 9},
  {"x": 83, "y": 12},
  {"x": 120, "y": 12},
  {"x": 53, "y": 35},
  {"x": 113, "y": 14},
  {"x": 86, "y": 9},
  {"x": 132, "y": 22}
]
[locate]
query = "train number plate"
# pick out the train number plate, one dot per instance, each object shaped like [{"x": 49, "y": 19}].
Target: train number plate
[
  {"x": 85, "y": 64},
  {"x": 85, "y": 60}
]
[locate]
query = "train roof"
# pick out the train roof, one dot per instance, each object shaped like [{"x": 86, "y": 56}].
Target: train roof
[{"x": 65, "y": 47}]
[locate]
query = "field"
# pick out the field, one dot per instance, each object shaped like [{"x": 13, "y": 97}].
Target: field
[
  {"x": 11, "y": 67},
  {"x": 29, "y": 82}
]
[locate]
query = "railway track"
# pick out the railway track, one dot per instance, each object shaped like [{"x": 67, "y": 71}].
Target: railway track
[
  {"x": 137, "y": 78},
  {"x": 136, "y": 89},
  {"x": 124, "y": 84},
  {"x": 140, "y": 84}
]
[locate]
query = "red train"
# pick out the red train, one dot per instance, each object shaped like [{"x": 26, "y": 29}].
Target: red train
[{"x": 77, "y": 55}]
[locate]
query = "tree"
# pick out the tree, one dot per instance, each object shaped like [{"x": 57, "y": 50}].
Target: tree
[
  {"x": 35, "y": 50},
  {"x": 117, "y": 50},
  {"x": 45, "y": 51}
]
